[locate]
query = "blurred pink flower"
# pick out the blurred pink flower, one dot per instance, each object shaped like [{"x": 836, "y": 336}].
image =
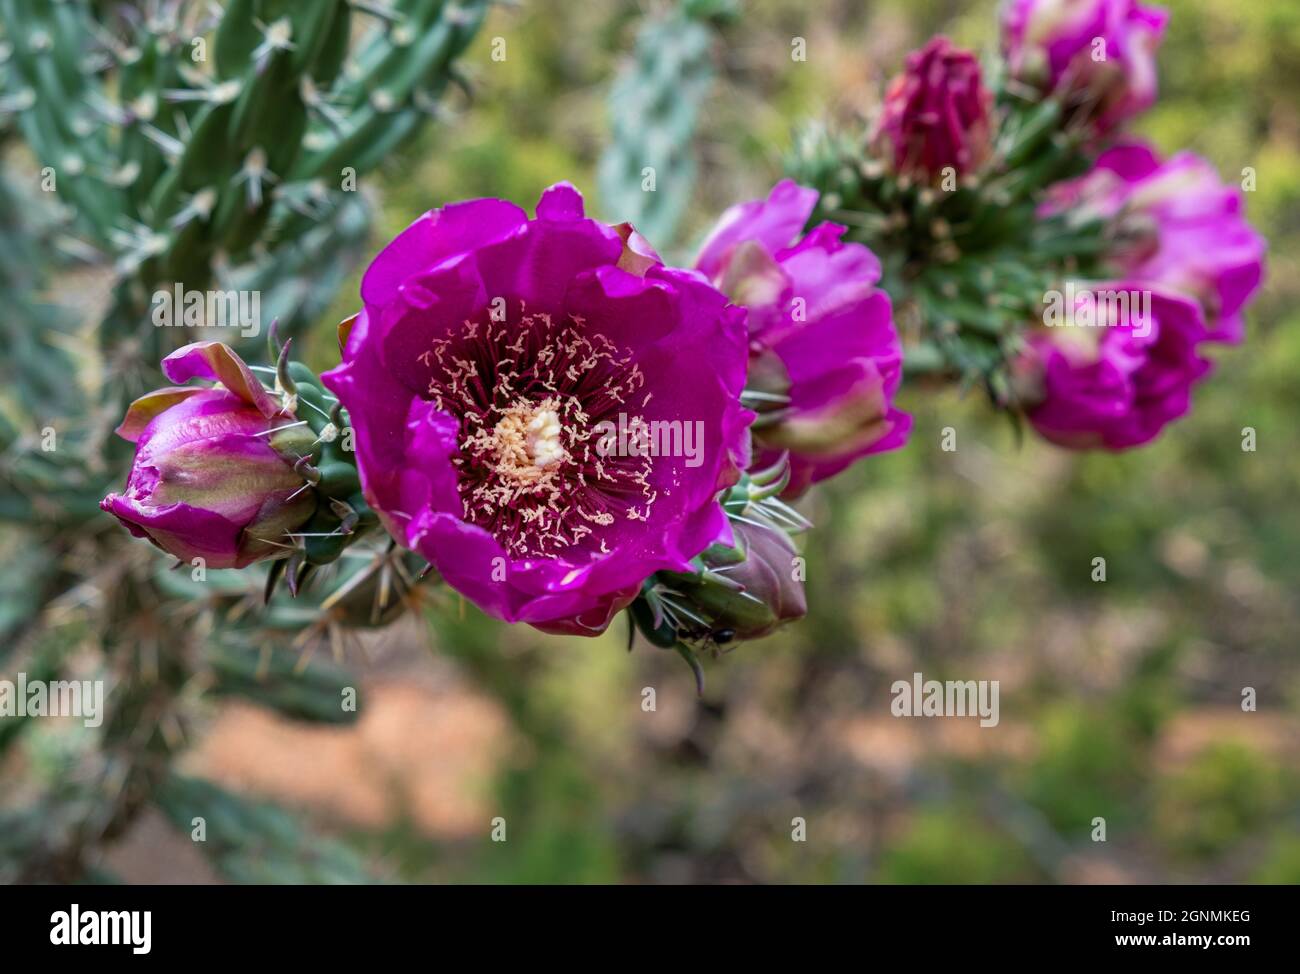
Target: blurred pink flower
[
  {"x": 1099, "y": 55},
  {"x": 1178, "y": 225},
  {"x": 821, "y": 334},
  {"x": 1119, "y": 380}
]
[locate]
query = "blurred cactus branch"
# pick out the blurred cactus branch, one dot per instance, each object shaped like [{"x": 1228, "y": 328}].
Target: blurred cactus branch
[
  {"x": 196, "y": 151},
  {"x": 210, "y": 147},
  {"x": 648, "y": 169}
]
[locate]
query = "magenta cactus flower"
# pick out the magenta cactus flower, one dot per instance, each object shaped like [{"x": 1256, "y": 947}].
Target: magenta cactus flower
[
  {"x": 936, "y": 114},
  {"x": 1099, "y": 55},
  {"x": 542, "y": 409},
  {"x": 1118, "y": 381},
  {"x": 213, "y": 475},
  {"x": 1178, "y": 225},
  {"x": 822, "y": 336}
]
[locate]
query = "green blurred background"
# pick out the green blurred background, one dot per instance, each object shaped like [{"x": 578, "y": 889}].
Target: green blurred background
[{"x": 1119, "y": 699}]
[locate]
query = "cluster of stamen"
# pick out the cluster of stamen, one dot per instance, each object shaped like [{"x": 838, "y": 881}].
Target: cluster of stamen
[{"x": 529, "y": 397}]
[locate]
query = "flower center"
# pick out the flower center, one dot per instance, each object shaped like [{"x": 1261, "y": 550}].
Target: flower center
[
  {"x": 525, "y": 444},
  {"x": 530, "y": 398},
  {"x": 543, "y": 438}
]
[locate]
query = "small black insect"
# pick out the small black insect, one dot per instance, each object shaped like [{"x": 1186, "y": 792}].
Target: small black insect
[{"x": 703, "y": 636}]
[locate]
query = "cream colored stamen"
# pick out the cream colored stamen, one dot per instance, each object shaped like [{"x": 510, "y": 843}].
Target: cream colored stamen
[
  {"x": 544, "y": 439},
  {"x": 525, "y": 443}
]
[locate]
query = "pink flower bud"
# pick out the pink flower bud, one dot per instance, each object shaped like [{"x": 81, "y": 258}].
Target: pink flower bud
[
  {"x": 213, "y": 475},
  {"x": 936, "y": 114}
]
